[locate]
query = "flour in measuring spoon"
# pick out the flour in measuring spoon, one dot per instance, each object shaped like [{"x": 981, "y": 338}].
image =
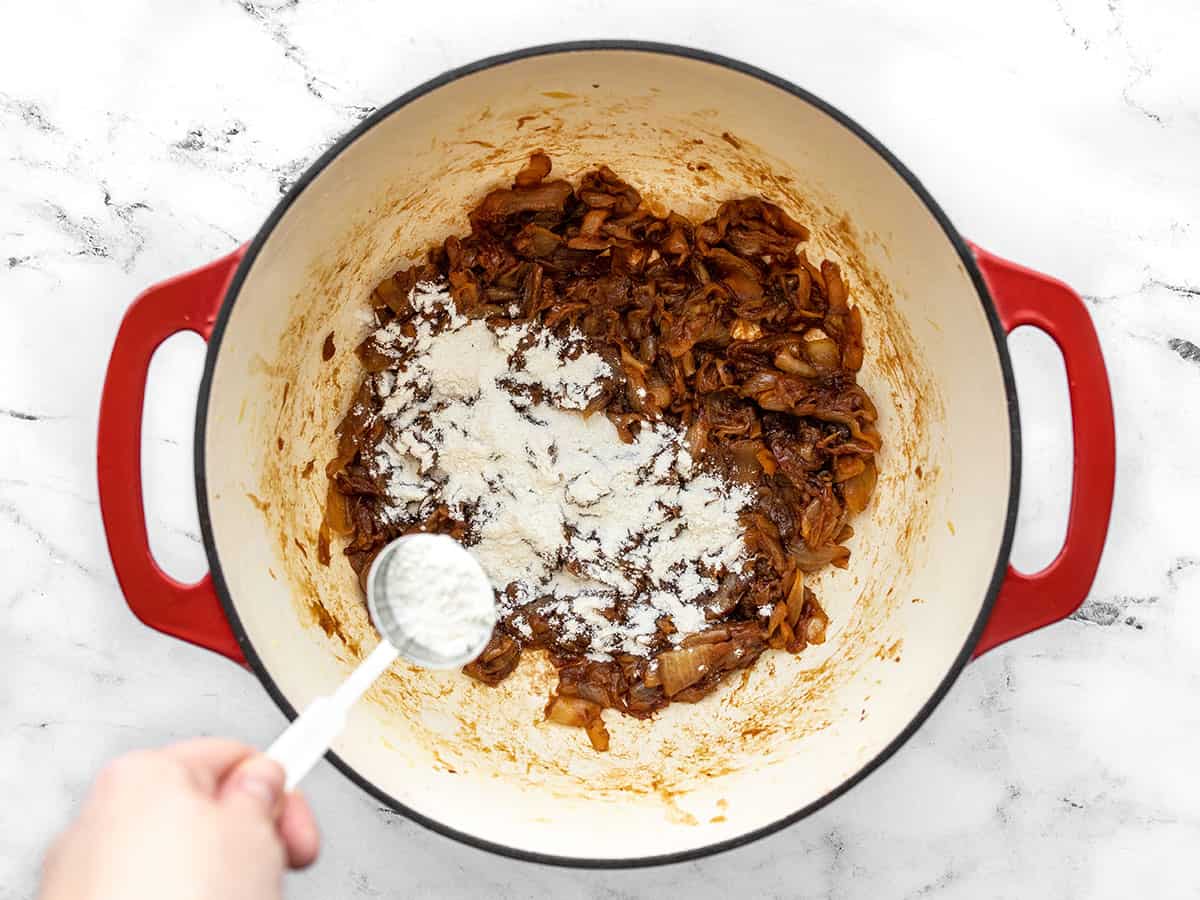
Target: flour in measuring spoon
[{"x": 435, "y": 596}]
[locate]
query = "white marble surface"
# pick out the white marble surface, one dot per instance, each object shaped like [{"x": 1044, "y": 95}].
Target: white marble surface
[{"x": 138, "y": 139}]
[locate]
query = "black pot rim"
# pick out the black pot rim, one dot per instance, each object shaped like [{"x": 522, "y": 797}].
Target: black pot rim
[{"x": 965, "y": 256}]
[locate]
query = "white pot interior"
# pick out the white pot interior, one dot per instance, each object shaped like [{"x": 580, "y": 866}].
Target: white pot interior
[{"x": 481, "y": 760}]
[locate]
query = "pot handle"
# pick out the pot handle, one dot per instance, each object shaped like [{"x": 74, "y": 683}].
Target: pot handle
[
  {"x": 188, "y": 302},
  {"x": 1028, "y": 602}
]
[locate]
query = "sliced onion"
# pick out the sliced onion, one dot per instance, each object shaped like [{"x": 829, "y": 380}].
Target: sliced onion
[
  {"x": 597, "y": 734},
  {"x": 813, "y": 272},
  {"x": 869, "y": 411},
  {"x": 786, "y": 636},
  {"x": 815, "y": 627},
  {"x": 652, "y": 679},
  {"x": 822, "y": 520},
  {"x": 573, "y": 711},
  {"x": 536, "y": 241},
  {"x": 388, "y": 294},
  {"x": 682, "y": 668},
  {"x": 765, "y": 536},
  {"x": 852, "y": 356},
  {"x": 814, "y": 560},
  {"x": 856, "y": 491},
  {"x": 688, "y": 364},
  {"x": 579, "y": 713},
  {"x": 778, "y": 617},
  {"x": 374, "y": 357},
  {"x": 785, "y": 360},
  {"x": 745, "y": 330},
  {"x": 696, "y": 438},
  {"x": 846, "y": 467},
  {"x": 723, "y": 601},
  {"x": 592, "y": 220},
  {"x": 803, "y": 291},
  {"x": 746, "y": 465},
  {"x": 795, "y": 599},
  {"x": 547, "y": 196},
  {"x": 632, "y": 363},
  {"x": 835, "y": 287},
  {"x": 717, "y": 635},
  {"x": 535, "y": 170},
  {"x": 823, "y": 353},
  {"x": 760, "y": 382},
  {"x": 676, "y": 242},
  {"x": 660, "y": 394}
]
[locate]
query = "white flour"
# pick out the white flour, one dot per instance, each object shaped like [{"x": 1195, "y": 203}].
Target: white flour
[
  {"x": 561, "y": 509},
  {"x": 433, "y": 594}
]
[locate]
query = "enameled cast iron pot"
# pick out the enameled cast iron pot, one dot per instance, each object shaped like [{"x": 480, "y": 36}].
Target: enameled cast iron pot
[{"x": 929, "y": 585}]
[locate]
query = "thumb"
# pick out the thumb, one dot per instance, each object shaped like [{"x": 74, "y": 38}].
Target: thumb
[{"x": 254, "y": 788}]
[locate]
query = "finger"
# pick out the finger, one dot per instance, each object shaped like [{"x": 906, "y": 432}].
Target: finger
[
  {"x": 298, "y": 831},
  {"x": 209, "y": 760},
  {"x": 254, "y": 788}
]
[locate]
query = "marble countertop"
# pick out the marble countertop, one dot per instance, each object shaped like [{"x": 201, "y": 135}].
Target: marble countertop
[{"x": 139, "y": 139}]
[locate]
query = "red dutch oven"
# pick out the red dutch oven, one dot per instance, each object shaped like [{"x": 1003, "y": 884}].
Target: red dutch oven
[{"x": 929, "y": 584}]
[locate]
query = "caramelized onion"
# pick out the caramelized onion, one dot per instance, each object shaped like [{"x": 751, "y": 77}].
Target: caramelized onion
[
  {"x": 852, "y": 342},
  {"x": 721, "y": 328},
  {"x": 785, "y": 360},
  {"x": 823, "y": 353},
  {"x": 652, "y": 678},
  {"x": 846, "y": 467},
  {"x": 682, "y": 668},
  {"x": 374, "y": 357},
  {"x": 856, "y": 491},
  {"x": 571, "y": 711},
  {"x": 497, "y": 661},
  {"x": 696, "y": 438},
  {"x": 810, "y": 560},
  {"x": 814, "y": 628},
  {"x": 387, "y": 293},
  {"x": 535, "y": 170},
  {"x": 597, "y": 734},
  {"x": 745, "y": 461},
  {"x": 579, "y": 713},
  {"x": 821, "y": 520},
  {"x": 547, "y": 196},
  {"x": 536, "y": 242},
  {"x": 795, "y": 599}
]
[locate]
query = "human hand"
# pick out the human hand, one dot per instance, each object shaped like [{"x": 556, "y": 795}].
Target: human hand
[{"x": 194, "y": 821}]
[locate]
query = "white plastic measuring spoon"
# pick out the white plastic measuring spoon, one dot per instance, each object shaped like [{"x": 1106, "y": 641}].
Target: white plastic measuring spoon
[{"x": 432, "y": 604}]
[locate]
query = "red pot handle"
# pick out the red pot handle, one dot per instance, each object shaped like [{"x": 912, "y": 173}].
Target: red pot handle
[
  {"x": 1028, "y": 602},
  {"x": 189, "y": 611}
]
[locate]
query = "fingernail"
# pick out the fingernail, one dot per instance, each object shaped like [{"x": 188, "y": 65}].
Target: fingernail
[{"x": 259, "y": 778}]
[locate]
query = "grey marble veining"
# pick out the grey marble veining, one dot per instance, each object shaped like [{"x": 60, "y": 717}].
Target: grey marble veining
[{"x": 139, "y": 139}]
